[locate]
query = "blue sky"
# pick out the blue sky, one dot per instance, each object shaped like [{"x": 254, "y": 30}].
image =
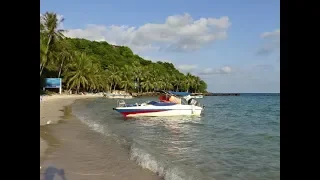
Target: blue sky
[{"x": 233, "y": 45}]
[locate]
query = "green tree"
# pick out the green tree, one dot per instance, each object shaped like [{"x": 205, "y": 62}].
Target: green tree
[
  {"x": 100, "y": 66},
  {"x": 80, "y": 72}
]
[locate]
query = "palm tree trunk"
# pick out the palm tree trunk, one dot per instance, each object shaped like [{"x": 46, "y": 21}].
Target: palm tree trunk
[
  {"x": 110, "y": 87},
  {"x": 114, "y": 87},
  {"x": 78, "y": 88},
  {"x": 60, "y": 69},
  {"x": 46, "y": 56},
  {"x": 41, "y": 70}
]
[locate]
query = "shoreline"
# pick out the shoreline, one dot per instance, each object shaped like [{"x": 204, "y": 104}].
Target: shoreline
[
  {"x": 56, "y": 103},
  {"x": 51, "y": 111},
  {"x": 61, "y": 146}
]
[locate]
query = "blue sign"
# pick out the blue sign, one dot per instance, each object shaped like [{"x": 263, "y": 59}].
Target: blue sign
[{"x": 52, "y": 82}]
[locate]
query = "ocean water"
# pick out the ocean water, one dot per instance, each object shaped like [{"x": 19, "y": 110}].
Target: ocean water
[{"x": 237, "y": 137}]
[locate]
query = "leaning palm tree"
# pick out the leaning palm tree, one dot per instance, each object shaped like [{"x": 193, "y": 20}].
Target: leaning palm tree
[
  {"x": 44, "y": 53},
  {"x": 50, "y": 24},
  {"x": 63, "y": 56},
  {"x": 80, "y": 72},
  {"x": 49, "y": 36}
]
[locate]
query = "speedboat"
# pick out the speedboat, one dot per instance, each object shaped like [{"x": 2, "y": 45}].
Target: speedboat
[{"x": 169, "y": 104}]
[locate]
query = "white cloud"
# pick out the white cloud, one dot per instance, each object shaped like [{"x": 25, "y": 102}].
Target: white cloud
[
  {"x": 225, "y": 69},
  {"x": 177, "y": 33},
  {"x": 271, "y": 44},
  {"x": 222, "y": 70},
  {"x": 187, "y": 67},
  {"x": 273, "y": 34}
]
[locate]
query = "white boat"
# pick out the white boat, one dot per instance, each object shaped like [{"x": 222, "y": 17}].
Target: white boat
[
  {"x": 170, "y": 104},
  {"x": 197, "y": 97}
]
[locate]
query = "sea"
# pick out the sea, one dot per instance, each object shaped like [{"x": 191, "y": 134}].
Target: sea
[{"x": 236, "y": 138}]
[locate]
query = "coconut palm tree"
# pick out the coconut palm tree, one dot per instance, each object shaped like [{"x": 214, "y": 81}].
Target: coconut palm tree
[
  {"x": 178, "y": 81},
  {"x": 50, "y": 24},
  {"x": 44, "y": 53},
  {"x": 127, "y": 78},
  {"x": 188, "y": 81},
  {"x": 147, "y": 84},
  {"x": 114, "y": 76},
  {"x": 49, "y": 35},
  {"x": 80, "y": 72},
  {"x": 64, "y": 56},
  {"x": 196, "y": 83},
  {"x": 138, "y": 74}
]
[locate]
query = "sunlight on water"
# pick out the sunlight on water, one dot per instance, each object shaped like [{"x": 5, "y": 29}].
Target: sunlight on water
[{"x": 235, "y": 138}]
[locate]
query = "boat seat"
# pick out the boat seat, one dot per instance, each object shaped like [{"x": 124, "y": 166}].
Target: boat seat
[{"x": 161, "y": 103}]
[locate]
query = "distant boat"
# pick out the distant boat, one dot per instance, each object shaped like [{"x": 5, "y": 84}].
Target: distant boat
[
  {"x": 170, "y": 104},
  {"x": 197, "y": 96}
]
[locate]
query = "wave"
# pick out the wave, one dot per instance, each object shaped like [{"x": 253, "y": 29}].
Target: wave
[
  {"x": 142, "y": 155},
  {"x": 162, "y": 167}
]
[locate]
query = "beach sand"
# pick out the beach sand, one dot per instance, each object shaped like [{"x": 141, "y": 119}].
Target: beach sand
[
  {"x": 51, "y": 110},
  {"x": 70, "y": 150}
]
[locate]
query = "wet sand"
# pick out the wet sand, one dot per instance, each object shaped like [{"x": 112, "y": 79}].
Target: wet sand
[
  {"x": 51, "y": 110},
  {"x": 70, "y": 150}
]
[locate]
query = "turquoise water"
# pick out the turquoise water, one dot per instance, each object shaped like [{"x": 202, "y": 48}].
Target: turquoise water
[{"x": 237, "y": 137}]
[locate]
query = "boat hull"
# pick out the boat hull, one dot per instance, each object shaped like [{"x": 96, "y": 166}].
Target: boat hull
[{"x": 152, "y": 111}]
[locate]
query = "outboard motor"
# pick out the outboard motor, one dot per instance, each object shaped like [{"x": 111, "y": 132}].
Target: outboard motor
[{"x": 193, "y": 102}]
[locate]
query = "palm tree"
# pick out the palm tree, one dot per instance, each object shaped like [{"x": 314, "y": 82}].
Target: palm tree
[
  {"x": 146, "y": 78},
  {"x": 96, "y": 79},
  {"x": 80, "y": 72},
  {"x": 49, "y": 35},
  {"x": 147, "y": 84},
  {"x": 138, "y": 74},
  {"x": 50, "y": 23},
  {"x": 114, "y": 76},
  {"x": 44, "y": 53},
  {"x": 188, "y": 81},
  {"x": 196, "y": 83},
  {"x": 64, "y": 56},
  {"x": 127, "y": 77},
  {"x": 178, "y": 81}
]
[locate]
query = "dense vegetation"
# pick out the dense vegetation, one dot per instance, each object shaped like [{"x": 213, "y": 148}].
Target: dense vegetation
[{"x": 87, "y": 65}]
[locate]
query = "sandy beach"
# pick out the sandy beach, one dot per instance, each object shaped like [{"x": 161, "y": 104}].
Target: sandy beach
[
  {"x": 51, "y": 110},
  {"x": 70, "y": 150}
]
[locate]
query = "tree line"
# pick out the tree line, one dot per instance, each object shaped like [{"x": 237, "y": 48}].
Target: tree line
[{"x": 87, "y": 65}]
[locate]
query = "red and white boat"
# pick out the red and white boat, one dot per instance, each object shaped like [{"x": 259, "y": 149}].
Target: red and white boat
[{"x": 169, "y": 104}]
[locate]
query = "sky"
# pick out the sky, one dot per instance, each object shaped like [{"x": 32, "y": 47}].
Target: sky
[{"x": 232, "y": 45}]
